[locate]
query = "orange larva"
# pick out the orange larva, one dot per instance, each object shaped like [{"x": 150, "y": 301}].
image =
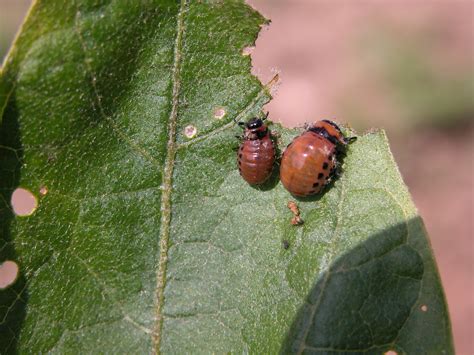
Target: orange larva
[{"x": 310, "y": 161}]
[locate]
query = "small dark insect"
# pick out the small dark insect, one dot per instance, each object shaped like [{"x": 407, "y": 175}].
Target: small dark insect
[
  {"x": 296, "y": 220},
  {"x": 285, "y": 244},
  {"x": 256, "y": 154},
  {"x": 311, "y": 160}
]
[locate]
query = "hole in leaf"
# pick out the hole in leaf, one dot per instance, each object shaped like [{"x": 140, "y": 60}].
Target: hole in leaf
[
  {"x": 248, "y": 50},
  {"x": 219, "y": 113},
  {"x": 24, "y": 203},
  {"x": 190, "y": 131},
  {"x": 43, "y": 190},
  {"x": 424, "y": 307},
  {"x": 8, "y": 273}
]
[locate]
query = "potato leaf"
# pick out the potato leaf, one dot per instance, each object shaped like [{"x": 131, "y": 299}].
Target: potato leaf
[{"x": 118, "y": 117}]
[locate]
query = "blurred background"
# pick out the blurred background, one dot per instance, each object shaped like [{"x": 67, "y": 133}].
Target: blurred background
[{"x": 407, "y": 67}]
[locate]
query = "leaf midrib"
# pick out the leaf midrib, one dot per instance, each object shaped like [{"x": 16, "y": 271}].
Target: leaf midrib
[{"x": 168, "y": 168}]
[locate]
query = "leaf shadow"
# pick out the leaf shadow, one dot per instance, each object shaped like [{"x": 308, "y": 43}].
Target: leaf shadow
[
  {"x": 16, "y": 295},
  {"x": 368, "y": 295}
]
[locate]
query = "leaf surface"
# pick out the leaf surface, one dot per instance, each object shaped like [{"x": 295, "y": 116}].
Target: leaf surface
[{"x": 146, "y": 238}]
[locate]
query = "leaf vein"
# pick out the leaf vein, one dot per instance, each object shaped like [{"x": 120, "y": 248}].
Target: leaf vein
[
  {"x": 137, "y": 148},
  {"x": 242, "y": 114}
]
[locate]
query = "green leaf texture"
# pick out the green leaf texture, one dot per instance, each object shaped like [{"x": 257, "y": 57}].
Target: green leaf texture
[{"x": 148, "y": 240}]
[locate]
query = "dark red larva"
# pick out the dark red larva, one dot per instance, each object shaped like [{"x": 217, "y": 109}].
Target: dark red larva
[
  {"x": 256, "y": 154},
  {"x": 310, "y": 161}
]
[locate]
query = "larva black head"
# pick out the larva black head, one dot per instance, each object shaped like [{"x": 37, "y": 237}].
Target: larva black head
[
  {"x": 254, "y": 129},
  {"x": 254, "y": 123}
]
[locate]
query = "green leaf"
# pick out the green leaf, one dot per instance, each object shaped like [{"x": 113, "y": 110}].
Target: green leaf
[{"x": 147, "y": 240}]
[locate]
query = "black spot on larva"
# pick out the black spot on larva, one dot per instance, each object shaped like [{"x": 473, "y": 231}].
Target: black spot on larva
[
  {"x": 325, "y": 165},
  {"x": 240, "y": 155},
  {"x": 316, "y": 184},
  {"x": 320, "y": 176},
  {"x": 240, "y": 163},
  {"x": 330, "y": 157},
  {"x": 241, "y": 148}
]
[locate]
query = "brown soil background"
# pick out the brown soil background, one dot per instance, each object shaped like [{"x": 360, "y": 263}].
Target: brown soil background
[{"x": 403, "y": 66}]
